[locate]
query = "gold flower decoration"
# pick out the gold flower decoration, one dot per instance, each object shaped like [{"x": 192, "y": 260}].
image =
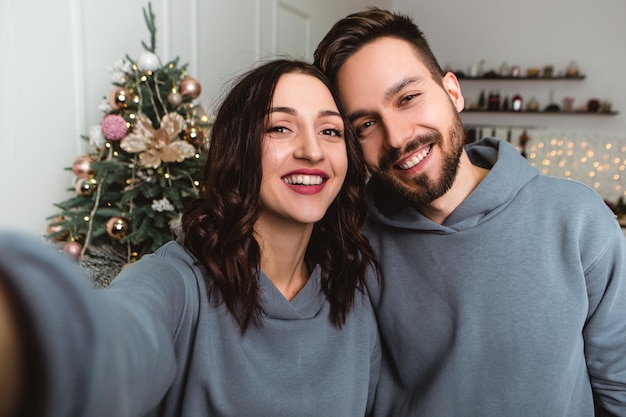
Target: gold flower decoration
[{"x": 158, "y": 145}]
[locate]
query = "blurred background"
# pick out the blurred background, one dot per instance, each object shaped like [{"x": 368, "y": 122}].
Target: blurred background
[{"x": 55, "y": 58}]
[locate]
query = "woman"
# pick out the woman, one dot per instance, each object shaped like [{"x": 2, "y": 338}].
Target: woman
[{"x": 261, "y": 310}]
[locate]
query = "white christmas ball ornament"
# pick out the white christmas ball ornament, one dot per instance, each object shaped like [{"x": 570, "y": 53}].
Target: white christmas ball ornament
[
  {"x": 96, "y": 137},
  {"x": 148, "y": 61}
]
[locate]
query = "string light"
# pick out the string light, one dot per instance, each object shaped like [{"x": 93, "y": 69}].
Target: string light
[{"x": 593, "y": 159}]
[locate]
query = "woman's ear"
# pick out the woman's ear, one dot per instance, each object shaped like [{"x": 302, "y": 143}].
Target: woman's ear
[{"x": 452, "y": 87}]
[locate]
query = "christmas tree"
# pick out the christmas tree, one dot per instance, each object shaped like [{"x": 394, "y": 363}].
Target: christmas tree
[{"x": 143, "y": 166}]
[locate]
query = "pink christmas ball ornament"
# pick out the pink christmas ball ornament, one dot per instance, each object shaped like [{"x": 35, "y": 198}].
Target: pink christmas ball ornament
[{"x": 114, "y": 127}]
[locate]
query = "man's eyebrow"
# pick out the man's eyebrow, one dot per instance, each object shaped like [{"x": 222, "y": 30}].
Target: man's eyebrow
[
  {"x": 358, "y": 114},
  {"x": 389, "y": 95},
  {"x": 397, "y": 87}
]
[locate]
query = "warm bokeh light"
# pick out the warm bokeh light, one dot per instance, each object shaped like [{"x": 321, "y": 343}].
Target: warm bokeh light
[{"x": 595, "y": 160}]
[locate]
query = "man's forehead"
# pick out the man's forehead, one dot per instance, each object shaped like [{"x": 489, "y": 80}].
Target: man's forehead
[{"x": 378, "y": 71}]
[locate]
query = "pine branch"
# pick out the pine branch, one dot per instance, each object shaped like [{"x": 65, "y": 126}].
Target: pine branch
[
  {"x": 158, "y": 94},
  {"x": 150, "y": 22},
  {"x": 102, "y": 264},
  {"x": 92, "y": 214}
]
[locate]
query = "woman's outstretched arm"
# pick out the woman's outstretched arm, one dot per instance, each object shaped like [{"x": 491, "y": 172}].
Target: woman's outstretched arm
[{"x": 11, "y": 357}]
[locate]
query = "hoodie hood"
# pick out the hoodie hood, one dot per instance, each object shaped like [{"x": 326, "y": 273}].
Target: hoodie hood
[{"x": 508, "y": 173}]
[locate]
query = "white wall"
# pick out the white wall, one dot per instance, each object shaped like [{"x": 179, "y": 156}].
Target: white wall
[
  {"x": 534, "y": 33},
  {"x": 54, "y": 56}
]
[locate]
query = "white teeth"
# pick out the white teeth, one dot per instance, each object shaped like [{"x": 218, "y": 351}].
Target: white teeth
[
  {"x": 415, "y": 160},
  {"x": 303, "y": 180}
]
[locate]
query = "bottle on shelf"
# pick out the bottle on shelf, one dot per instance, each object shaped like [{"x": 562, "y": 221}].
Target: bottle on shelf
[
  {"x": 572, "y": 70},
  {"x": 516, "y": 103},
  {"x": 481, "y": 101},
  {"x": 533, "y": 104},
  {"x": 505, "y": 103},
  {"x": 493, "y": 102}
]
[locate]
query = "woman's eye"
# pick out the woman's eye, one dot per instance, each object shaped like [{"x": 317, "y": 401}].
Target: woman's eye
[
  {"x": 332, "y": 132},
  {"x": 277, "y": 129}
]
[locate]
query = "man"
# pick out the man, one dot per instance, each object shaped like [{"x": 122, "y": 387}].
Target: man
[{"x": 503, "y": 291}]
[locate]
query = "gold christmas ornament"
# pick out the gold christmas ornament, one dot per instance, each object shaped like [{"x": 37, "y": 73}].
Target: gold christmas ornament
[
  {"x": 56, "y": 229},
  {"x": 118, "y": 98},
  {"x": 193, "y": 135},
  {"x": 82, "y": 167},
  {"x": 174, "y": 98},
  {"x": 85, "y": 187},
  {"x": 190, "y": 88},
  {"x": 117, "y": 227},
  {"x": 73, "y": 249}
]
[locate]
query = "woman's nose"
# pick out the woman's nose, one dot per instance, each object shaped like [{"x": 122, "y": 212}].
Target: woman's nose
[{"x": 309, "y": 147}]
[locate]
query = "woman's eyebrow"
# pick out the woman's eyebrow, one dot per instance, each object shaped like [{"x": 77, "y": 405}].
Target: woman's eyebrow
[
  {"x": 287, "y": 110},
  {"x": 293, "y": 112},
  {"x": 329, "y": 113}
]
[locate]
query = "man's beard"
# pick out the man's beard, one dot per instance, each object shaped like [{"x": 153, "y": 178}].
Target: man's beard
[{"x": 423, "y": 190}]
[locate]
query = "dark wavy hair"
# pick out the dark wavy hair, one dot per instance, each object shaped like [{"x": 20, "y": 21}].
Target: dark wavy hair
[
  {"x": 354, "y": 31},
  {"x": 218, "y": 226}
]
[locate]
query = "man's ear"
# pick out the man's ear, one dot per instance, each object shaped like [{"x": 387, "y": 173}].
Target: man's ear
[{"x": 452, "y": 87}]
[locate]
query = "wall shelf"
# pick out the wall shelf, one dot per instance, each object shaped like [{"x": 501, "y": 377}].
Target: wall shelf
[
  {"x": 491, "y": 108},
  {"x": 522, "y": 78},
  {"x": 551, "y": 113}
]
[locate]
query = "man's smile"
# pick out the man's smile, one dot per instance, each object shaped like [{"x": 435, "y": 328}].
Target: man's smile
[{"x": 414, "y": 159}]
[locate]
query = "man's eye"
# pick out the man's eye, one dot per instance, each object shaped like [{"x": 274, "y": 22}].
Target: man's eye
[
  {"x": 362, "y": 128},
  {"x": 332, "y": 132},
  {"x": 408, "y": 98}
]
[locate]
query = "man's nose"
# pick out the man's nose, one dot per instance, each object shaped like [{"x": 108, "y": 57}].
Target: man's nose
[{"x": 397, "y": 131}]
